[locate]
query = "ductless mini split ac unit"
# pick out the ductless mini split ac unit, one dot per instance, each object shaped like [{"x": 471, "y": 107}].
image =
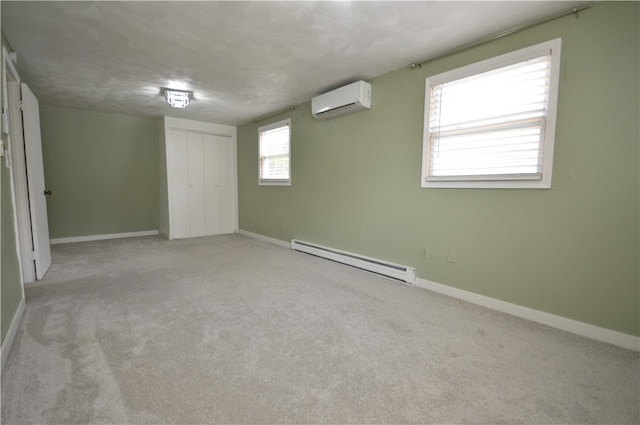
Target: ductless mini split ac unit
[{"x": 344, "y": 100}]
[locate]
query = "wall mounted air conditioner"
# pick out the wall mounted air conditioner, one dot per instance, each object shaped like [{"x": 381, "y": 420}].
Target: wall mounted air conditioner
[{"x": 344, "y": 100}]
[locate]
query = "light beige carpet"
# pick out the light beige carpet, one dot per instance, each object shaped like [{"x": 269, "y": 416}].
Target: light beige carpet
[{"x": 228, "y": 329}]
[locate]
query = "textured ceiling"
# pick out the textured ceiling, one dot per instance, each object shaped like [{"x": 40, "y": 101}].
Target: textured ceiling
[{"x": 242, "y": 60}]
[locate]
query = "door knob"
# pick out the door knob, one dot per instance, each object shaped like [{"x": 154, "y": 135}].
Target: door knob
[{"x": 47, "y": 192}]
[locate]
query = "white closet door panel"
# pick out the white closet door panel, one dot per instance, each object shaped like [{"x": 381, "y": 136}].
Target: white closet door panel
[
  {"x": 212, "y": 183},
  {"x": 197, "y": 208},
  {"x": 178, "y": 183},
  {"x": 227, "y": 222},
  {"x": 201, "y": 183},
  {"x": 35, "y": 181}
]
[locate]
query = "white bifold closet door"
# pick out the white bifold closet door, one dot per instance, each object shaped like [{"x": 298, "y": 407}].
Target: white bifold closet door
[{"x": 201, "y": 184}]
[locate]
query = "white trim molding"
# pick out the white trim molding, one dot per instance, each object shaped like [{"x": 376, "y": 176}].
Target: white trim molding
[
  {"x": 90, "y": 238},
  {"x": 265, "y": 238},
  {"x": 7, "y": 343},
  {"x": 580, "y": 328}
]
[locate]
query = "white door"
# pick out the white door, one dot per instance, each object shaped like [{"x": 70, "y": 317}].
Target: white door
[
  {"x": 35, "y": 178},
  {"x": 197, "y": 186},
  {"x": 178, "y": 175},
  {"x": 226, "y": 179},
  {"x": 210, "y": 147},
  {"x": 201, "y": 183}
]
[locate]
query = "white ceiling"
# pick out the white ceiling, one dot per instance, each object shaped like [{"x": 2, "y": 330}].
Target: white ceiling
[{"x": 242, "y": 60}]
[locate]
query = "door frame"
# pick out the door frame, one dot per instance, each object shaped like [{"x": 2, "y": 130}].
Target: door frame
[{"x": 19, "y": 173}]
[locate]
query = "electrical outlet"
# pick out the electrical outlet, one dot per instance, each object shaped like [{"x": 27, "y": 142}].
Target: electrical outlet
[
  {"x": 452, "y": 256},
  {"x": 424, "y": 252}
]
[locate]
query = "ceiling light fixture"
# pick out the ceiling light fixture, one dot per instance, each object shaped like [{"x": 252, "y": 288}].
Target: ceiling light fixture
[{"x": 177, "y": 98}]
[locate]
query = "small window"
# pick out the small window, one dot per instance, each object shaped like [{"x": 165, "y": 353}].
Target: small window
[
  {"x": 492, "y": 124},
  {"x": 275, "y": 153}
]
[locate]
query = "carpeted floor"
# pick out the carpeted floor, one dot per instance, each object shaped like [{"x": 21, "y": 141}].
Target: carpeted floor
[{"x": 228, "y": 329}]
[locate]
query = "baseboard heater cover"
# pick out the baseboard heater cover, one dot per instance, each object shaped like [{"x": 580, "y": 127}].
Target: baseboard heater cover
[{"x": 384, "y": 268}]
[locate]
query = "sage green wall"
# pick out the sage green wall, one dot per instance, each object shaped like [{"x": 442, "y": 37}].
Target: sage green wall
[
  {"x": 571, "y": 250},
  {"x": 102, "y": 169},
  {"x": 10, "y": 284},
  {"x": 11, "y": 290}
]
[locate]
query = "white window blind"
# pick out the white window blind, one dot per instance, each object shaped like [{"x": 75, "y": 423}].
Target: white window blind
[
  {"x": 275, "y": 153},
  {"x": 492, "y": 125}
]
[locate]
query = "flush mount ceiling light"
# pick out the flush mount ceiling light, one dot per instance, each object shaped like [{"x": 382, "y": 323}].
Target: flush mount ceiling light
[{"x": 177, "y": 98}]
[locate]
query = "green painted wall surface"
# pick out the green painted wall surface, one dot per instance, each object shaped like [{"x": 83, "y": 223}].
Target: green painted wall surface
[
  {"x": 10, "y": 285},
  {"x": 102, "y": 169},
  {"x": 11, "y": 291},
  {"x": 571, "y": 250}
]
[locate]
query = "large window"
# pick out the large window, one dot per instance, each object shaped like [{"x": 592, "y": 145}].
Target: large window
[
  {"x": 492, "y": 124},
  {"x": 275, "y": 153}
]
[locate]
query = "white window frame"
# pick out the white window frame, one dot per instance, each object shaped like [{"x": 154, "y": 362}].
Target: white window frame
[
  {"x": 542, "y": 49},
  {"x": 270, "y": 181}
]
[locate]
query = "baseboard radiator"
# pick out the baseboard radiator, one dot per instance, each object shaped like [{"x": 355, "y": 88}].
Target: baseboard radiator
[{"x": 384, "y": 268}]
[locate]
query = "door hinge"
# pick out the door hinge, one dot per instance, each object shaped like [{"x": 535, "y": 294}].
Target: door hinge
[
  {"x": 32, "y": 254},
  {"x": 20, "y": 105}
]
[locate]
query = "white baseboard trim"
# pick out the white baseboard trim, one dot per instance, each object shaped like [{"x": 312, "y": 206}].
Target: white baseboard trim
[
  {"x": 265, "y": 238},
  {"x": 103, "y": 237},
  {"x": 584, "y": 329},
  {"x": 11, "y": 333}
]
